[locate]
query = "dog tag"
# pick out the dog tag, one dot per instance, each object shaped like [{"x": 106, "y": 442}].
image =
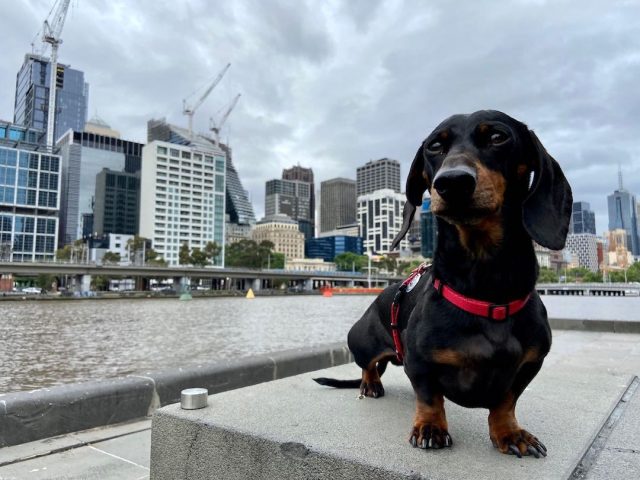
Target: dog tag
[{"x": 414, "y": 281}]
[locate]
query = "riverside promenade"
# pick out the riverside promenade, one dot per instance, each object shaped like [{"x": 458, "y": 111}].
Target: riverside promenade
[{"x": 584, "y": 405}]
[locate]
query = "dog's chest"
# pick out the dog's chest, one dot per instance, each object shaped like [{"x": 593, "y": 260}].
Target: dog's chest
[{"x": 476, "y": 368}]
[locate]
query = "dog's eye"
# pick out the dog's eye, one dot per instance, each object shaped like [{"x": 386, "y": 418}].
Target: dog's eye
[
  {"x": 435, "y": 147},
  {"x": 498, "y": 138}
]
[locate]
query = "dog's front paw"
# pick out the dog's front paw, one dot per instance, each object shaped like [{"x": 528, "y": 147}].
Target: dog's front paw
[
  {"x": 429, "y": 435},
  {"x": 519, "y": 442}
]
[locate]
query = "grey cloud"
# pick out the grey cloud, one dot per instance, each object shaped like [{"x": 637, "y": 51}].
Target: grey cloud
[{"x": 335, "y": 84}]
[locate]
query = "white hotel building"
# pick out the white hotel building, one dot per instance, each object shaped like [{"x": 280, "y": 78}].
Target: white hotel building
[
  {"x": 182, "y": 197},
  {"x": 379, "y": 215}
]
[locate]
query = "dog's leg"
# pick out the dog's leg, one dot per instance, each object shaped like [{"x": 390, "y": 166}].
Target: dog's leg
[
  {"x": 371, "y": 385},
  {"x": 430, "y": 429},
  {"x": 504, "y": 430}
]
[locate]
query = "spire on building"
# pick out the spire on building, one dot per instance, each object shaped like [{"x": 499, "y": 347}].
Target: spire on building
[{"x": 620, "y": 187}]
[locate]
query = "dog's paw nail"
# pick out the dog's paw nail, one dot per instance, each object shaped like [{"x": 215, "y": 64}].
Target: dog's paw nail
[
  {"x": 431, "y": 443},
  {"x": 533, "y": 451},
  {"x": 413, "y": 441},
  {"x": 513, "y": 449},
  {"x": 424, "y": 443},
  {"x": 447, "y": 440}
]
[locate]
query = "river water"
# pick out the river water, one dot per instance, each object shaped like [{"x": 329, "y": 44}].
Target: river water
[{"x": 46, "y": 343}]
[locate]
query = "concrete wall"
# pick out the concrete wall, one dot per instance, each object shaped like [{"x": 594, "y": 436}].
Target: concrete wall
[{"x": 29, "y": 416}]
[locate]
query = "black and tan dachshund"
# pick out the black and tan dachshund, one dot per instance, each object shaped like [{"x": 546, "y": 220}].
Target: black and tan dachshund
[{"x": 473, "y": 329}]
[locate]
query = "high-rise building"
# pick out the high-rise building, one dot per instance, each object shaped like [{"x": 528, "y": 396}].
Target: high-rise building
[
  {"x": 240, "y": 215},
  {"x": 377, "y": 175},
  {"x": 116, "y": 204},
  {"x": 585, "y": 246},
  {"x": 291, "y": 198},
  {"x": 84, "y": 155},
  {"x": 306, "y": 222},
  {"x": 617, "y": 252},
  {"x": 29, "y": 196},
  {"x": 337, "y": 203},
  {"x": 182, "y": 192},
  {"x": 283, "y": 232},
  {"x": 328, "y": 248},
  {"x": 623, "y": 214},
  {"x": 380, "y": 217},
  {"x": 583, "y": 219},
  {"x": 32, "y": 97},
  {"x": 238, "y": 206},
  {"x": 428, "y": 229},
  {"x": 302, "y": 174}
]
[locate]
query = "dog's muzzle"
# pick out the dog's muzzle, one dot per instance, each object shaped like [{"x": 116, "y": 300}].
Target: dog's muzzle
[{"x": 455, "y": 184}]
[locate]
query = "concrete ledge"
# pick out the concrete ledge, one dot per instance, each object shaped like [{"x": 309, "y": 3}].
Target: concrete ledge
[
  {"x": 294, "y": 428},
  {"x": 29, "y": 416},
  {"x": 587, "y": 325}
]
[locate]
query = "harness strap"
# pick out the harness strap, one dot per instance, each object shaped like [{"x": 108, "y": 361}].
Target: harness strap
[
  {"x": 494, "y": 311},
  {"x": 406, "y": 286}
]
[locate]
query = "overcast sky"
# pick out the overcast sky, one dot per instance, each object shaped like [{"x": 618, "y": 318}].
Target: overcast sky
[{"x": 333, "y": 84}]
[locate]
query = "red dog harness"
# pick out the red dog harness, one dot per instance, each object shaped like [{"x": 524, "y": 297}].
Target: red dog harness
[{"x": 494, "y": 311}]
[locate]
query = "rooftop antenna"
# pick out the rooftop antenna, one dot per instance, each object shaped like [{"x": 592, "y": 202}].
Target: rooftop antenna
[{"x": 620, "y": 187}]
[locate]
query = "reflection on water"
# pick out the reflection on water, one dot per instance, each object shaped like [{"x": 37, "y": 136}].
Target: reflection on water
[
  {"x": 45, "y": 343},
  {"x": 48, "y": 343}
]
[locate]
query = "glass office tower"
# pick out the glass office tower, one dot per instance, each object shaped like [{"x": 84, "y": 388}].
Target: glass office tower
[{"x": 32, "y": 97}]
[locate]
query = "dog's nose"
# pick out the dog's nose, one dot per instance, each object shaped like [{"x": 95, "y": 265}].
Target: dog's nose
[{"x": 455, "y": 184}]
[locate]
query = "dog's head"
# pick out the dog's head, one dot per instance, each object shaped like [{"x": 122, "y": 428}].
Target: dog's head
[{"x": 472, "y": 163}]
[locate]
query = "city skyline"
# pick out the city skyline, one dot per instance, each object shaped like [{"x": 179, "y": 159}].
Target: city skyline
[{"x": 335, "y": 86}]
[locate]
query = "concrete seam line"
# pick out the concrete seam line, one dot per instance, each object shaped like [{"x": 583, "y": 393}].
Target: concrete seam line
[
  {"x": 154, "y": 404},
  {"x": 275, "y": 368},
  {"x": 596, "y": 446},
  {"x": 118, "y": 457}
]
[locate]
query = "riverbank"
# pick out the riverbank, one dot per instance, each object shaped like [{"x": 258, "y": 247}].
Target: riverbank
[{"x": 141, "y": 295}]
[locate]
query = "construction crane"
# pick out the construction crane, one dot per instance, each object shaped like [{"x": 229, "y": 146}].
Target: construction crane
[
  {"x": 215, "y": 127},
  {"x": 189, "y": 111},
  {"x": 51, "y": 30}
]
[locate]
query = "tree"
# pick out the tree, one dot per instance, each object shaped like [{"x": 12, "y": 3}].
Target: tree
[
  {"x": 199, "y": 257},
  {"x": 44, "y": 281},
  {"x": 249, "y": 254},
  {"x": 111, "y": 258},
  {"x": 184, "y": 256},
  {"x": 241, "y": 254},
  {"x": 277, "y": 260},
  {"x": 577, "y": 274},
  {"x": 137, "y": 249},
  {"x": 592, "y": 277},
  {"x": 154, "y": 259},
  {"x": 387, "y": 264},
  {"x": 265, "y": 253},
  {"x": 349, "y": 261},
  {"x": 100, "y": 282},
  {"x": 405, "y": 268},
  {"x": 547, "y": 275},
  {"x": 64, "y": 253},
  {"x": 212, "y": 251}
]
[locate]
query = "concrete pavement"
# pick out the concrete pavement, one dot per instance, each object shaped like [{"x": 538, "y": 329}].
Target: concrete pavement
[{"x": 577, "y": 393}]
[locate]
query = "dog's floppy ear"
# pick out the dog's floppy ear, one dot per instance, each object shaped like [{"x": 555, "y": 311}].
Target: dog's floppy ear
[
  {"x": 417, "y": 183},
  {"x": 546, "y": 212}
]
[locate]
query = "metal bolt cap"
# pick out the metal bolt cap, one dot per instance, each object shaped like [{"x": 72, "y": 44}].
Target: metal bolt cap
[{"x": 193, "y": 398}]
